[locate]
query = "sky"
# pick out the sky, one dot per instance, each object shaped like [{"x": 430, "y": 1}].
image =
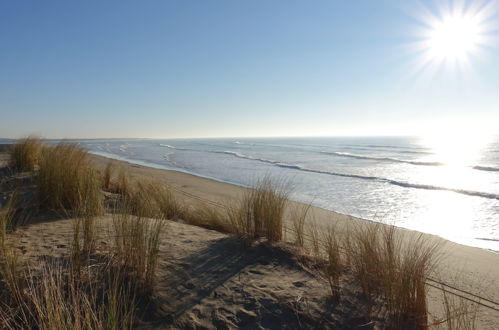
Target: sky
[{"x": 189, "y": 69}]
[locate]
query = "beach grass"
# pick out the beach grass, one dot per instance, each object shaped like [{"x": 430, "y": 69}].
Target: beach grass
[
  {"x": 9, "y": 256},
  {"x": 136, "y": 242},
  {"x": 387, "y": 264},
  {"x": 79, "y": 293},
  {"x": 459, "y": 313},
  {"x": 384, "y": 261},
  {"x": 210, "y": 217},
  {"x": 260, "y": 212},
  {"x": 66, "y": 181},
  {"x": 52, "y": 298},
  {"x": 25, "y": 154},
  {"x": 107, "y": 175},
  {"x": 298, "y": 219},
  {"x": 333, "y": 267}
]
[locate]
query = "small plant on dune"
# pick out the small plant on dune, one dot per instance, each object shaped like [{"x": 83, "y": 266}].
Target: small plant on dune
[
  {"x": 136, "y": 243},
  {"x": 210, "y": 217},
  {"x": 10, "y": 263},
  {"x": 298, "y": 223},
  {"x": 392, "y": 267},
  {"x": 313, "y": 232},
  {"x": 123, "y": 186},
  {"x": 363, "y": 255},
  {"x": 68, "y": 182},
  {"x": 149, "y": 199},
  {"x": 156, "y": 201},
  {"x": 406, "y": 295},
  {"x": 25, "y": 154},
  {"x": 106, "y": 177},
  {"x": 459, "y": 313},
  {"x": 332, "y": 267},
  {"x": 261, "y": 210}
]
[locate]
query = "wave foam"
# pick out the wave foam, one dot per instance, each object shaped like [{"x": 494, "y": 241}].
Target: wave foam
[
  {"x": 363, "y": 177},
  {"x": 387, "y": 159},
  {"x": 486, "y": 168},
  {"x": 167, "y": 146}
]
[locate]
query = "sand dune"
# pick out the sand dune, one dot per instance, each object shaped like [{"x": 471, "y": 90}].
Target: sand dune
[{"x": 209, "y": 280}]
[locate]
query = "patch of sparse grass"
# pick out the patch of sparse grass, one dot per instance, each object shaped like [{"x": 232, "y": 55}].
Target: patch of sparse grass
[
  {"x": 210, "y": 217},
  {"x": 67, "y": 181},
  {"x": 298, "y": 223},
  {"x": 315, "y": 242},
  {"x": 155, "y": 200},
  {"x": 10, "y": 263},
  {"x": 54, "y": 299},
  {"x": 25, "y": 154},
  {"x": 123, "y": 186},
  {"x": 136, "y": 243},
  {"x": 406, "y": 295},
  {"x": 363, "y": 255},
  {"x": 64, "y": 294},
  {"x": 261, "y": 210},
  {"x": 106, "y": 177},
  {"x": 387, "y": 264},
  {"x": 332, "y": 268},
  {"x": 148, "y": 199},
  {"x": 459, "y": 313}
]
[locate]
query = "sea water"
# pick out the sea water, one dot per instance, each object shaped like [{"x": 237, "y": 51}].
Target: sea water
[{"x": 449, "y": 188}]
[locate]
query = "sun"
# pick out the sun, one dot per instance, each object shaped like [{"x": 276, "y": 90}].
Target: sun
[
  {"x": 455, "y": 33},
  {"x": 454, "y": 38}
]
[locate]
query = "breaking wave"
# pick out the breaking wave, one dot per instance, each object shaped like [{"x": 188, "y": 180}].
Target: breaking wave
[
  {"x": 364, "y": 177},
  {"x": 387, "y": 159}
]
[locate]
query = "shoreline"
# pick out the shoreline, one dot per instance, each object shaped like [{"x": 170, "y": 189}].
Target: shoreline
[
  {"x": 462, "y": 266},
  {"x": 481, "y": 242}
]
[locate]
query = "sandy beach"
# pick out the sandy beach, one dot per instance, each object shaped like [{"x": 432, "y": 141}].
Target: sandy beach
[
  {"x": 208, "y": 279},
  {"x": 467, "y": 268}
]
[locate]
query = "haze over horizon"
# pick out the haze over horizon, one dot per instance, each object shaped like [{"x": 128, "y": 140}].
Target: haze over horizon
[{"x": 168, "y": 69}]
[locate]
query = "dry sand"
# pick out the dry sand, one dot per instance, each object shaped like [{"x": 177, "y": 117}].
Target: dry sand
[
  {"x": 467, "y": 268},
  {"x": 208, "y": 280}
]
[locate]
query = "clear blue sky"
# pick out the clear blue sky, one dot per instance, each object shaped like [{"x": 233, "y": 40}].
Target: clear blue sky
[{"x": 179, "y": 68}]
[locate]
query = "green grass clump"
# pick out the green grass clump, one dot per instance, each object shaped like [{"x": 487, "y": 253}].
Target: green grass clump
[
  {"x": 25, "y": 154},
  {"x": 67, "y": 181}
]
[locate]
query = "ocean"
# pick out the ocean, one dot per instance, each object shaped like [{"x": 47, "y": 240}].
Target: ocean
[{"x": 443, "y": 186}]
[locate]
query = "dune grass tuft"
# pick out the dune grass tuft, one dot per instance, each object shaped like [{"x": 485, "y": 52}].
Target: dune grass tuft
[
  {"x": 333, "y": 267},
  {"x": 261, "y": 210},
  {"x": 136, "y": 243},
  {"x": 25, "y": 154},
  {"x": 387, "y": 264},
  {"x": 210, "y": 217},
  {"x": 154, "y": 200},
  {"x": 54, "y": 299},
  {"x": 67, "y": 181},
  {"x": 9, "y": 257},
  {"x": 107, "y": 175},
  {"x": 298, "y": 223},
  {"x": 459, "y": 313}
]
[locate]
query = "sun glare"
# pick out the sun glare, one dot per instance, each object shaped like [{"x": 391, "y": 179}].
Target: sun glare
[
  {"x": 455, "y": 37},
  {"x": 456, "y": 32}
]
